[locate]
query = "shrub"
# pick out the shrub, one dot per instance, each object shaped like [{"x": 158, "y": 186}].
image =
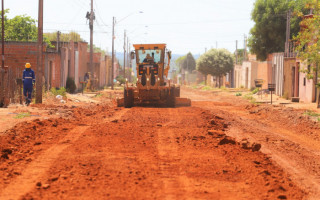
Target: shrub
[
  {"x": 62, "y": 91},
  {"x": 121, "y": 79},
  {"x": 255, "y": 91},
  {"x": 70, "y": 85}
]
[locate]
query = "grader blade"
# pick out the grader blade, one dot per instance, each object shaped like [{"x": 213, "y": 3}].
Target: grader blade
[{"x": 182, "y": 102}]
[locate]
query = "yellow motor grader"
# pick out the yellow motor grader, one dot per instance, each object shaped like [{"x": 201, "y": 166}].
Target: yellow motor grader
[{"x": 153, "y": 85}]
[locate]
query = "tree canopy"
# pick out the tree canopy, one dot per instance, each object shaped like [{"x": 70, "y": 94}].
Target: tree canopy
[
  {"x": 64, "y": 37},
  {"x": 240, "y": 55},
  {"x": 186, "y": 62},
  {"x": 269, "y": 32},
  {"x": 20, "y": 28},
  {"x": 307, "y": 41},
  {"x": 216, "y": 62},
  {"x": 189, "y": 63}
]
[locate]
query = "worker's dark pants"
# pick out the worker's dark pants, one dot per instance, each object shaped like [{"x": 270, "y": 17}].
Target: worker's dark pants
[{"x": 27, "y": 92}]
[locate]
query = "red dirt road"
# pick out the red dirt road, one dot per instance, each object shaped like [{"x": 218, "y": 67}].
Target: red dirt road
[{"x": 104, "y": 152}]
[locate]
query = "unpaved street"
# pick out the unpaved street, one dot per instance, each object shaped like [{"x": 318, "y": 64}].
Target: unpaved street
[{"x": 105, "y": 152}]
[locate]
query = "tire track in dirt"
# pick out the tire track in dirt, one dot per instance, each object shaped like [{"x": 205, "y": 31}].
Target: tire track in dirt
[
  {"x": 33, "y": 172},
  {"x": 168, "y": 151},
  {"x": 37, "y": 168}
]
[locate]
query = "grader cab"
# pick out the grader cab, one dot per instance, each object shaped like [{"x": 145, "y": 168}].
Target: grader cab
[{"x": 153, "y": 85}]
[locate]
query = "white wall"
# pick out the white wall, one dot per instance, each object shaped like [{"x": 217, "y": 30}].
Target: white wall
[{"x": 277, "y": 67}]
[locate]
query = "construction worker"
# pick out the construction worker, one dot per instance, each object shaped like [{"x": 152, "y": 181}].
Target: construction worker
[{"x": 28, "y": 79}]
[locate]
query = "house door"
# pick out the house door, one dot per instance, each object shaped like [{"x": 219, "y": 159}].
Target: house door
[{"x": 293, "y": 77}]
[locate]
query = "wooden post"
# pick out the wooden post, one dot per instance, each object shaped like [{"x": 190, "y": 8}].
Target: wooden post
[{"x": 39, "y": 59}]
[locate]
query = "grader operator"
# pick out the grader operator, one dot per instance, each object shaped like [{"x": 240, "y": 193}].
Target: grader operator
[{"x": 153, "y": 85}]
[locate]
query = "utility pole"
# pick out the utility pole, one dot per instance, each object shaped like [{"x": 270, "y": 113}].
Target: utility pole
[
  {"x": 58, "y": 40},
  {"x": 288, "y": 33},
  {"x": 2, "y": 39},
  {"x": 236, "y": 52},
  {"x": 112, "y": 60},
  {"x": 245, "y": 48},
  {"x": 130, "y": 60},
  {"x": 128, "y": 53},
  {"x": 39, "y": 59},
  {"x": 124, "y": 54},
  {"x": 91, "y": 17},
  {"x": 2, "y": 70}
]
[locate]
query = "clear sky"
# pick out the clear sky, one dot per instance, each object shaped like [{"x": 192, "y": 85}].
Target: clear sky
[{"x": 184, "y": 25}]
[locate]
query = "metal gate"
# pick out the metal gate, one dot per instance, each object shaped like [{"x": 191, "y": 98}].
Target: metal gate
[{"x": 10, "y": 86}]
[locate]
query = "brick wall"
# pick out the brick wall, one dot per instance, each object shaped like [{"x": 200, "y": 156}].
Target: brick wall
[
  {"x": 53, "y": 70},
  {"x": 17, "y": 54}
]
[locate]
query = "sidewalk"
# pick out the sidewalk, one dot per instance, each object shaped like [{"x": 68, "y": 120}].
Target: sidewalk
[{"x": 277, "y": 100}]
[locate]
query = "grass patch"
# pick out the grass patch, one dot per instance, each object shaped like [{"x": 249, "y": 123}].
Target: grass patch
[
  {"x": 206, "y": 88},
  {"x": 312, "y": 114},
  {"x": 248, "y": 96},
  {"x": 22, "y": 115},
  {"x": 98, "y": 95},
  {"x": 238, "y": 94},
  {"x": 195, "y": 86}
]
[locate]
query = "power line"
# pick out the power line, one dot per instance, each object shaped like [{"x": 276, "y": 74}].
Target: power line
[
  {"x": 80, "y": 31},
  {"x": 99, "y": 13},
  {"x": 81, "y": 5},
  {"x": 191, "y": 22}
]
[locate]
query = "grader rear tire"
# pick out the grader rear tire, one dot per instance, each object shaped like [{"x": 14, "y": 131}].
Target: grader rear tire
[{"x": 128, "y": 98}]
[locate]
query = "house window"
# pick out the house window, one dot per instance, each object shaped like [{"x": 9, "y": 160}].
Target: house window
[
  {"x": 304, "y": 81},
  {"x": 309, "y": 67}
]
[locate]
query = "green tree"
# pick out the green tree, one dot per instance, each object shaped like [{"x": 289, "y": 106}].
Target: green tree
[
  {"x": 308, "y": 44},
  {"x": 21, "y": 28},
  {"x": 307, "y": 40},
  {"x": 64, "y": 37},
  {"x": 240, "y": 55},
  {"x": 269, "y": 32},
  {"x": 179, "y": 62},
  {"x": 97, "y": 50},
  {"x": 216, "y": 62},
  {"x": 188, "y": 63}
]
